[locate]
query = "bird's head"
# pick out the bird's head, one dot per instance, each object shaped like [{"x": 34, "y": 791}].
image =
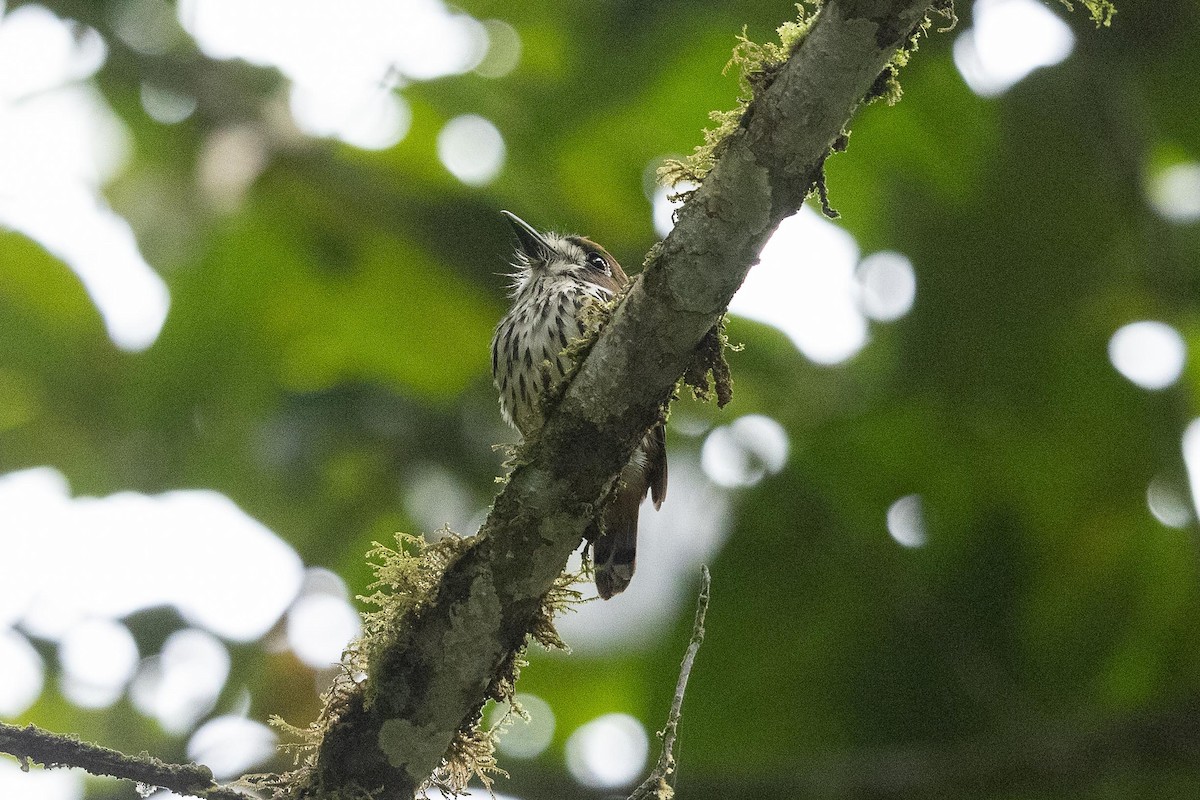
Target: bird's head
[{"x": 549, "y": 255}]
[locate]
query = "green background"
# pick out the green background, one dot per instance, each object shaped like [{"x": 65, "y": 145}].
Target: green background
[{"x": 1044, "y": 643}]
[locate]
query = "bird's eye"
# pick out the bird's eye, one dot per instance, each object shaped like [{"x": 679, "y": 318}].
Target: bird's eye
[{"x": 596, "y": 261}]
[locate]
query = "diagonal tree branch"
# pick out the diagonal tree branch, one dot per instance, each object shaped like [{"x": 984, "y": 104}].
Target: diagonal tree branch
[{"x": 433, "y": 683}]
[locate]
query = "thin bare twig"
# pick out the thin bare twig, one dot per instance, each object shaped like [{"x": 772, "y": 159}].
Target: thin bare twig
[
  {"x": 655, "y": 787},
  {"x": 32, "y": 744}
]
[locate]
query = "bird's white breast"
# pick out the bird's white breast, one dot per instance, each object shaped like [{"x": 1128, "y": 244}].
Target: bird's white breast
[{"x": 527, "y": 351}]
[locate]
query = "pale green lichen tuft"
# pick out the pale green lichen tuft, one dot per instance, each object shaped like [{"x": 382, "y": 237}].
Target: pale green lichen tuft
[
  {"x": 406, "y": 579},
  {"x": 887, "y": 85},
  {"x": 562, "y": 597},
  {"x": 472, "y": 754},
  {"x": 1101, "y": 11},
  {"x": 757, "y": 65}
]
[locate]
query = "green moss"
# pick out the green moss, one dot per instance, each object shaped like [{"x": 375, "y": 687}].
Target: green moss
[
  {"x": 472, "y": 751},
  {"x": 406, "y": 580},
  {"x": 887, "y": 85},
  {"x": 1101, "y": 11},
  {"x": 472, "y": 754},
  {"x": 757, "y": 65}
]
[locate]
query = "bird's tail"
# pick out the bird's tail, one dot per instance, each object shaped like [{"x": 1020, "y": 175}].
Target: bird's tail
[{"x": 615, "y": 550}]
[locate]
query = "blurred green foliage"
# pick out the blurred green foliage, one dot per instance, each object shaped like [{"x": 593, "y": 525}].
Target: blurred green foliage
[{"x": 328, "y": 337}]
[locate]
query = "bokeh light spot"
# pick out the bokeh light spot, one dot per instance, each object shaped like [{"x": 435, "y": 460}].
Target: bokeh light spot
[
  {"x": 1148, "y": 353},
  {"x": 435, "y": 43},
  {"x": 503, "y": 52},
  {"x": 906, "y": 521},
  {"x": 39, "y": 52},
  {"x": 339, "y": 46},
  {"x": 525, "y": 738},
  {"x": 39, "y": 784},
  {"x": 230, "y": 161},
  {"x": 1191, "y": 460},
  {"x": 373, "y": 119},
  {"x": 98, "y": 657},
  {"x": 319, "y": 626},
  {"x": 804, "y": 285},
  {"x": 745, "y": 451},
  {"x": 472, "y": 149},
  {"x": 435, "y": 497},
  {"x": 181, "y": 684},
  {"x": 148, "y": 26},
  {"x": 318, "y": 580},
  {"x": 61, "y": 142},
  {"x": 1175, "y": 193},
  {"x": 1009, "y": 40},
  {"x": 88, "y": 695},
  {"x": 23, "y": 674},
  {"x": 343, "y": 60},
  {"x": 165, "y": 106},
  {"x": 608, "y": 752},
  {"x": 230, "y": 746},
  {"x": 1168, "y": 503},
  {"x": 887, "y": 284},
  {"x": 195, "y": 550}
]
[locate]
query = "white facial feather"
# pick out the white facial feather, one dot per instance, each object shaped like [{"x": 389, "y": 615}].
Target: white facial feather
[{"x": 568, "y": 262}]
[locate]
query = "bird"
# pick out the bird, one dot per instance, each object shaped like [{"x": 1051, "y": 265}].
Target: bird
[{"x": 556, "y": 277}]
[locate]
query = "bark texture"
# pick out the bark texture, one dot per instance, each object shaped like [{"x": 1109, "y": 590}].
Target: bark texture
[{"x": 33, "y": 745}]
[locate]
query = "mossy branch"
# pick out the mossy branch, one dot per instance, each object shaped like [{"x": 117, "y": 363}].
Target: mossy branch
[
  {"x": 407, "y": 579},
  {"x": 33, "y": 745},
  {"x": 438, "y": 671}
]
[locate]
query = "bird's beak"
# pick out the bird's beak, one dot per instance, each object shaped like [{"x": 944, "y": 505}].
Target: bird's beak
[{"x": 531, "y": 241}]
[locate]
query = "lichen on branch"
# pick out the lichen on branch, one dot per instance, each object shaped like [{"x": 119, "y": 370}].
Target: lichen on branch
[
  {"x": 1101, "y": 11},
  {"x": 756, "y": 64},
  {"x": 32, "y": 745},
  {"x": 407, "y": 577}
]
